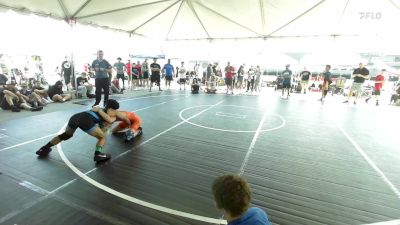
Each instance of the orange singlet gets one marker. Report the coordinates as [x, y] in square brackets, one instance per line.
[136, 122]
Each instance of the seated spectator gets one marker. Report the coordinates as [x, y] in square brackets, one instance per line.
[114, 88]
[11, 98]
[56, 93]
[41, 91]
[195, 86]
[85, 89]
[31, 97]
[232, 195]
[211, 85]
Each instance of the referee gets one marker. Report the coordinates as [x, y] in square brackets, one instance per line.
[101, 68]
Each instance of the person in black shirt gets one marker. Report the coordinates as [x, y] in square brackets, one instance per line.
[155, 74]
[66, 71]
[359, 75]
[305, 78]
[56, 93]
[327, 81]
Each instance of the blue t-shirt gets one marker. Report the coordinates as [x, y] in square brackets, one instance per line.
[253, 216]
[169, 70]
[100, 68]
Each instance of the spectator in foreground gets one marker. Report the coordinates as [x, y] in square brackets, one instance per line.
[232, 195]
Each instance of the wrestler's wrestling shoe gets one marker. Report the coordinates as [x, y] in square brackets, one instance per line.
[128, 135]
[43, 151]
[99, 157]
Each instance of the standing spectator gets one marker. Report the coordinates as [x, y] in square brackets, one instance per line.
[257, 79]
[155, 74]
[168, 70]
[250, 78]
[145, 71]
[182, 76]
[209, 72]
[120, 68]
[66, 71]
[139, 68]
[305, 78]
[128, 70]
[287, 79]
[359, 75]
[229, 77]
[232, 195]
[240, 76]
[379, 80]
[135, 76]
[102, 82]
[327, 81]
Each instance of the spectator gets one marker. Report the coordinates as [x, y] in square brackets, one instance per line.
[229, 77]
[232, 195]
[287, 79]
[84, 87]
[11, 98]
[305, 78]
[327, 81]
[120, 67]
[66, 71]
[56, 93]
[359, 75]
[379, 80]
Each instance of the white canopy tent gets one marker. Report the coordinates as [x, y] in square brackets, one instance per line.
[215, 29]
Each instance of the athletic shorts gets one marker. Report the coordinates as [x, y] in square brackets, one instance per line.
[136, 122]
[228, 81]
[135, 77]
[83, 120]
[169, 78]
[286, 85]
[121, 76]
[155, 78]
[356, 87]
[377, 92]
[145, 75]
[182, 80]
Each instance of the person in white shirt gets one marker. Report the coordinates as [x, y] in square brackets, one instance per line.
[182, 76]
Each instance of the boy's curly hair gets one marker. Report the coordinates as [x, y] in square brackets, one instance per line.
[232, 193]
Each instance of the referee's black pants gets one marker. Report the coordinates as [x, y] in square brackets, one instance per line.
[102, 85]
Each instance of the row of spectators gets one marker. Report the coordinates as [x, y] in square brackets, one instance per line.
[30, 96]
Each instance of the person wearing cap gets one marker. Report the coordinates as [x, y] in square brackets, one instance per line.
[120, 67]
[91, 122]
[359, 75]
[101, 68]
[11, 98]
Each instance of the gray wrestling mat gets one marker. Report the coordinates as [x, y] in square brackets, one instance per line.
[306, 162]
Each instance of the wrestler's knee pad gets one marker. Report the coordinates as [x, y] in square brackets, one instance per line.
[64, 136]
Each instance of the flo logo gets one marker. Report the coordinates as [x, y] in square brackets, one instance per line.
[370, 15]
